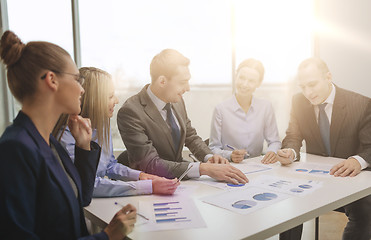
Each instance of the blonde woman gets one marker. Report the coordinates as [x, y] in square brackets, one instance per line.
[242, 123]
[98, 104]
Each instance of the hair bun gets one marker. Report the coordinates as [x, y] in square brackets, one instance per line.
[11, 48]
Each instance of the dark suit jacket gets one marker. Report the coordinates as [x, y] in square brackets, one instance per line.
[148, 140]
[350, 130]
[36, 197]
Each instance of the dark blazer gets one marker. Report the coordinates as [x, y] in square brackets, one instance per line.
[37, 200]
[148, 140]
[350, 130]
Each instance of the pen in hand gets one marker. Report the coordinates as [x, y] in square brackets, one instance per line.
[185, 173]
[119, 204]
[233, 148]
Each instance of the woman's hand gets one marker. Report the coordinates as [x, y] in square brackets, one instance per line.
[122, 223]
[269, 157]
[147, 176]
[81, 130]
[238, 155]
[164, 186]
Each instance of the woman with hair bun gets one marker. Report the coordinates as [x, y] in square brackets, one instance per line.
[42, 191]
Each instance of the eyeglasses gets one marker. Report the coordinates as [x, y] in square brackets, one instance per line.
[80, 79]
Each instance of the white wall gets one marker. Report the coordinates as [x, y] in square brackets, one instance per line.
[347, 47]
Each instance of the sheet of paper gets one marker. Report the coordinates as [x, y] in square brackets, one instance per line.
[169, 214]
[297, 187]
[184, 190]
[246, 168]
[222, 185]
[313, 169]
[246, 200]
[252, 167]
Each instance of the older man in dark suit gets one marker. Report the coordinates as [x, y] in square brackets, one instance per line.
[333, 122]
[154, 126]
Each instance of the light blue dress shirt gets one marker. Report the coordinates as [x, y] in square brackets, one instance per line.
[108, 169]
[231, 125]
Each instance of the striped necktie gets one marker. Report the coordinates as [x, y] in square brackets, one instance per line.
[324, 127]
[175, 133]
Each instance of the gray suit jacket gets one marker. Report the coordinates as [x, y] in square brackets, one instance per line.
[148, 140]
[350, 130]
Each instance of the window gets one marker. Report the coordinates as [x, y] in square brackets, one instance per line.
[128, 34]
[41, 20]
[278, 33]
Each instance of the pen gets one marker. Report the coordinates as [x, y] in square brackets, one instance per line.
[233, 148]
[185, 173]
[119, 204]
[193, 157]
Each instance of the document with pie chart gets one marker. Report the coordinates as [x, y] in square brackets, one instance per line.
[291, 186]
[246, 200]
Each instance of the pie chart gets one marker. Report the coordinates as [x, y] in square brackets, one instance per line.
[296, 190]
[244, 204]
[265, 196]
[235, 185]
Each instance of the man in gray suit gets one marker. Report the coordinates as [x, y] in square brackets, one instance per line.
[154, 126]
[333, 122]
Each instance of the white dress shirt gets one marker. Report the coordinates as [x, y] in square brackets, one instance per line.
[231, 125]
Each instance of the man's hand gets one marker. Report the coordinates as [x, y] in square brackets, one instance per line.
[223, 172]
[285, 156]
[81, 130]
[217, 159]
[238, 155]
[269, 158]
[122, 223]
[349, 167]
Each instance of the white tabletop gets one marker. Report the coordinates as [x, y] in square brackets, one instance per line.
[261, 224]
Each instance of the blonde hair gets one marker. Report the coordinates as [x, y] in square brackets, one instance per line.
[166, 63]
[94, 102]
[94, 105]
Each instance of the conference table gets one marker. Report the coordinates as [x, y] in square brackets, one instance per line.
[260, 224]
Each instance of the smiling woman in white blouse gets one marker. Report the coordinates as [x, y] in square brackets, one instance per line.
[241, 123]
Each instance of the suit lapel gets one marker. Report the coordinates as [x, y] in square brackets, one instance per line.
[151, 110]
[311, 121]
[337, 119]
[55, 168]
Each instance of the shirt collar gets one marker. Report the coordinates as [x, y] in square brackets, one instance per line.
[236, 106]
[330, 99]
[158, 102]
